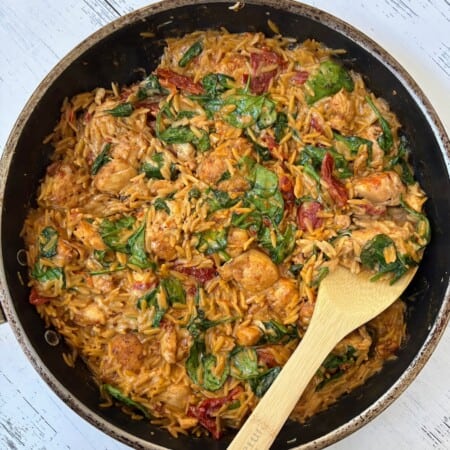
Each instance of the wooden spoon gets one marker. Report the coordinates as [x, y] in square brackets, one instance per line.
[345, 301]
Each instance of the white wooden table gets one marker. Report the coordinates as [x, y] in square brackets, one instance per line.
[35, 34]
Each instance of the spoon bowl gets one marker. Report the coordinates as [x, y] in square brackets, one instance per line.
[344, 302]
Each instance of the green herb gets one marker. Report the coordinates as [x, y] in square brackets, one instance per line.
[102, 158]
[275, 333]
[174, 290]
[151, 299]
[313, 156]
[185, 115]
[280, 127]
[262, 383]
[118, 395]
[48, 242]
[113, 233]
[311, 172]
[330, 79]
[251, 220]
[193, 51]
[353, 143]
[400, 162]
[385, 140]
[107, 271]
[122, 110]
[372, 257]
[150, 87]
[212, 241]
[244, 363]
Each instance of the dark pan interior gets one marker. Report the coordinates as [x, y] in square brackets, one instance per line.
[116, 58]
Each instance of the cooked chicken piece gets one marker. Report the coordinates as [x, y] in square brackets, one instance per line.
[283, 299]
[253, 270]
[248, 335]
[169, 343]
[61, 185]
[160, 239]
[212, 167]
[236, 240]
[92, 315]
[340, 111]
[88, 234]
[114, 176]
[175, 396]
[128, 351]
[383, 188]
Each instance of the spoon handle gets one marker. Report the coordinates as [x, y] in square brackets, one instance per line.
[266, 420]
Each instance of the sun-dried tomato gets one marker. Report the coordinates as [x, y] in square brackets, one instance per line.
[179, 81]
[336, 189]
[37, 299]
[307, 215]
[202, 275]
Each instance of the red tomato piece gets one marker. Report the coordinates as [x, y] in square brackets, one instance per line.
[336, 189]
[179, 81]
[307, 216]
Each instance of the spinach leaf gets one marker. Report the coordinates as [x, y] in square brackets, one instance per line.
[275, 333]
[161, 205]
[225, 176]
[295, 269]
[112, 233]
[353, 143]
[193, 51]
[174, 290]
[281, 124]
[154, 170]
[248, 221]
[220, 200]
[151, 299]
[194, 193]
[136, 247]
[244, 363]
[313, 156]
[212, 241]
[423, 224]
[194, 361]
[261, 150]
[372, 257]
[216, 83]
[43, 273]
[400, 161]
[102, 158]
[323, 272]
[330, 79]
[118, 395]
[385, 140]
[150, 87]
[199, 324]
[262, 383]
[285, 243]
[250, 110]
[122, 110]
[212, 382]
[48, 242]
[335, 366]
[184, 135]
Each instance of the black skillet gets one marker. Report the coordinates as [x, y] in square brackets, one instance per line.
[115, 53]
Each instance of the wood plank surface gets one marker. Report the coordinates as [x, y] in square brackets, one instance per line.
[36, 33]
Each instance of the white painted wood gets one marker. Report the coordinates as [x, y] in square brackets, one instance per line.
[35, 34]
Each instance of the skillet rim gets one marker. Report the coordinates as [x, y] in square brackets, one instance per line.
[338, 25]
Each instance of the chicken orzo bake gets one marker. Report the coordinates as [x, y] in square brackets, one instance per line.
[186, 221]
